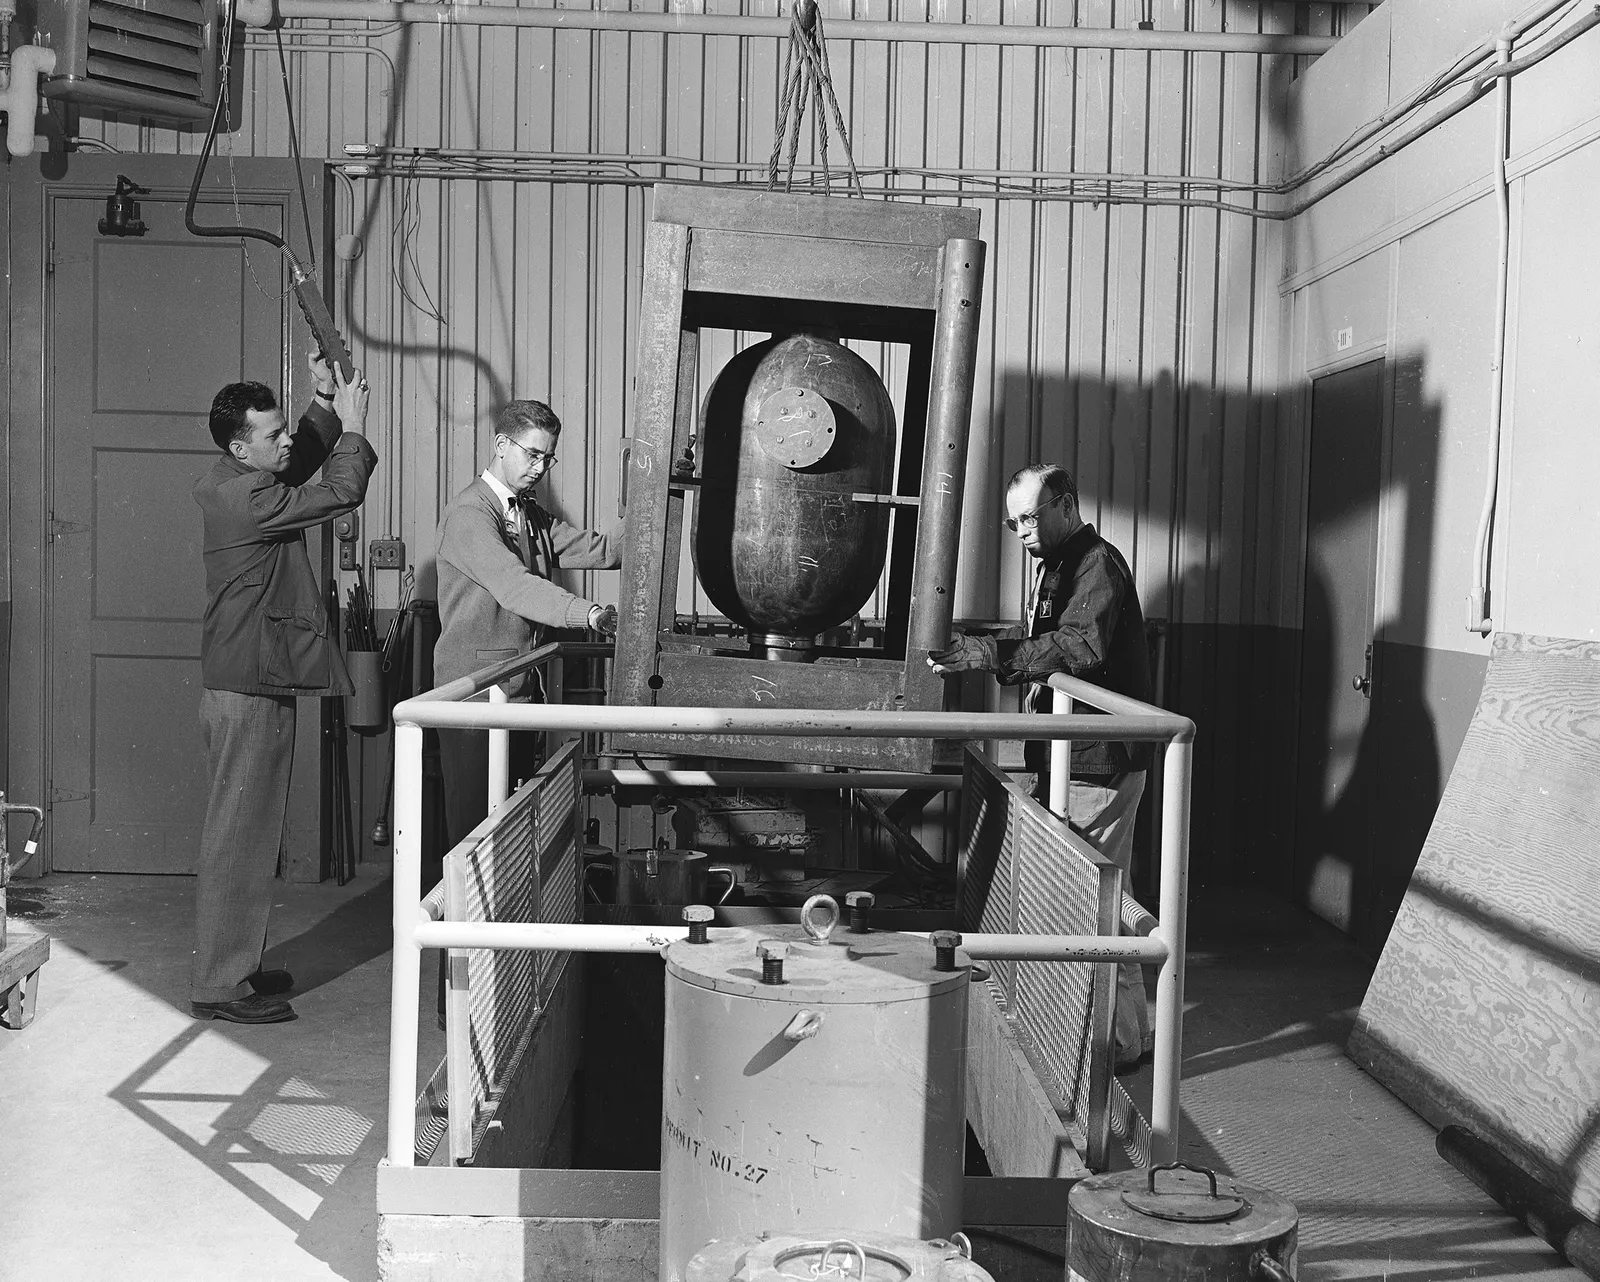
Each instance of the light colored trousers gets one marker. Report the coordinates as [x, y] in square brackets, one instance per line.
[249, 742]
[1104, 817]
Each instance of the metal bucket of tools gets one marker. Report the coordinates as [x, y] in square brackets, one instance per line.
[366, 708]
[1134, 1227]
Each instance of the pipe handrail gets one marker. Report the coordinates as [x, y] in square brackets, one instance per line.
[1161, 727]
[783, 780]
[1122, 719]
[565, 937]
[479, 681]
[1108, 700]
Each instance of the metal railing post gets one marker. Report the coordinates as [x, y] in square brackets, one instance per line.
[1060, 759]
[406, 980]
[555, 691]
[1173, 930]
[499, 756]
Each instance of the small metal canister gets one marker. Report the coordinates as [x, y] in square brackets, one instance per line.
[1132, 1227]
[842, 1254]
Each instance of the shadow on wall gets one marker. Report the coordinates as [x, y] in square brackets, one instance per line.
[1227, 504]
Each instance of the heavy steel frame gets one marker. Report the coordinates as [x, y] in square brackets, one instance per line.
[772, 262]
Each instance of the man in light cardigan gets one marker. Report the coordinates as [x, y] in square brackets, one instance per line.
[497, 553]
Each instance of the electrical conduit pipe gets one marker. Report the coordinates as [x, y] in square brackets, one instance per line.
[20, 96]
[1478, 619]
[260, 13]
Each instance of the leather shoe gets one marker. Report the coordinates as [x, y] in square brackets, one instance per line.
[254, 1009]
[271, 983]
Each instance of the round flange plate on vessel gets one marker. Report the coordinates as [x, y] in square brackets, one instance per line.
[795, 426]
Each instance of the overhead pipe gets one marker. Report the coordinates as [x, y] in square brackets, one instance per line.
[700, 24]
[19, 96]
[328, 47]
[385, 163]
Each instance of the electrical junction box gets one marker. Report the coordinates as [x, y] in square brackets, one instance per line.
[388, 554]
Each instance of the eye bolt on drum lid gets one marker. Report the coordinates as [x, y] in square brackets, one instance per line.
[811, 1077]
[791, 430]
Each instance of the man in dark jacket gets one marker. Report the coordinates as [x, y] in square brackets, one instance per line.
[265, 641]
[498, 552]
[1085, 621]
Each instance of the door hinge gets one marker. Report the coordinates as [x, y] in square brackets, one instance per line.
[50, 258]
[59, 795]
[58, 528]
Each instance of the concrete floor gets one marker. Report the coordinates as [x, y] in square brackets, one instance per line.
[140, 1144]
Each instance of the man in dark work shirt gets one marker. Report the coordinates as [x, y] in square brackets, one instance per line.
[1085, 621]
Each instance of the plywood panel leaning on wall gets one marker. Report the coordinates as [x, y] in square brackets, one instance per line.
[1485, 1006]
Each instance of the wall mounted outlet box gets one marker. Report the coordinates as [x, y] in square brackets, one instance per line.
[388, 554]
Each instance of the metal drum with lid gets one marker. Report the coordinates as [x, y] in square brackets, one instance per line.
[1194, 1227]
[811, 1077]
[844, 1255]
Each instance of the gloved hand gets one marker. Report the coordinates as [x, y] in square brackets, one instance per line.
[603, 619]
[966, 654]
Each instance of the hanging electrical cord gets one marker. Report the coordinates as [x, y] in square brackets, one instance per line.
[808, 78]
[316, 311]
[402, 246]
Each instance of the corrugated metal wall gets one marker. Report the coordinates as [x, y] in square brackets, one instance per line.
[1126, 341]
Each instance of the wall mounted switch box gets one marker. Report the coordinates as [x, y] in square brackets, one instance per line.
[347, 530]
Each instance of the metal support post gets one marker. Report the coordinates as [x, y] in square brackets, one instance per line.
[1060, 758]
[405, 991]
[1172, 931]
[955, 354]
[499, 756]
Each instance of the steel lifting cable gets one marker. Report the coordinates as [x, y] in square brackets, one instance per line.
[807, 77]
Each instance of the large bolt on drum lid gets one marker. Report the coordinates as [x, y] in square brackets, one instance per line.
[1187, 1224]
[838, 1255]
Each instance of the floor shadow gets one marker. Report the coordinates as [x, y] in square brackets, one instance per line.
[1194, 484]
[283, 1141]
[354, 933]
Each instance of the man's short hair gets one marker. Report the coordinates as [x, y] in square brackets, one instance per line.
[230, 411]
[1052, 477]
[522, 416]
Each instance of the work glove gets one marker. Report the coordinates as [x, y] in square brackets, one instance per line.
[966, 654]
[603, 619]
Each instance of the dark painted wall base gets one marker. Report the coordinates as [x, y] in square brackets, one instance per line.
[1242, 686]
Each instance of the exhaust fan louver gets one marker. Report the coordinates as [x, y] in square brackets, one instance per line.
[154, 58]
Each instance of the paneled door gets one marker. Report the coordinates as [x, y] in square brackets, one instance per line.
[1337, 678]
[141, 332]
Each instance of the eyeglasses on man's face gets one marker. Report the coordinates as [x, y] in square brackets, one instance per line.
[1030, 520]
[536, 458]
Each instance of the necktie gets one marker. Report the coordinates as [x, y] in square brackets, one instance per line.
[521, 519]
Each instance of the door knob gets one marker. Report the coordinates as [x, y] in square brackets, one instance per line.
[1363, 684]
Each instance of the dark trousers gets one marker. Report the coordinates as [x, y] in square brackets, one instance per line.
[249, 740]
[464, 761]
